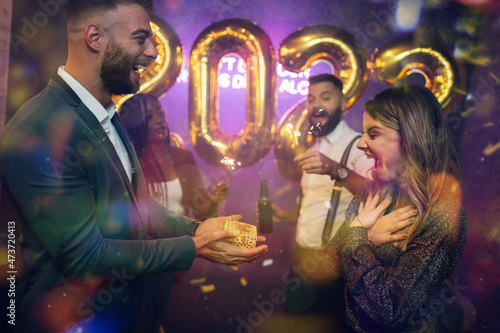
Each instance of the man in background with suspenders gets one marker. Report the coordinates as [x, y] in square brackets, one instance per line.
[333, 162]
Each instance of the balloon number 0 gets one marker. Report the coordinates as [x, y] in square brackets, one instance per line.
[396, 62]
[254, 46]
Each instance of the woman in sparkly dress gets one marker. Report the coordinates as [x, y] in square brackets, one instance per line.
[395, 281]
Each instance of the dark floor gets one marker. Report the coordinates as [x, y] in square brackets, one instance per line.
[226, 301]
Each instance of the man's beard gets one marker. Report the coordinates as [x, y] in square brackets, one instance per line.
[115, 71]
[322, 129]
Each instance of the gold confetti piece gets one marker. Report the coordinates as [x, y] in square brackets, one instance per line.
[494, 77]
[207, 288]
[460, 91]
[243, 281]
[494, 233]
[489, 124]
[248, 236]
[197, 281]
[466, 112]
[491, 148]
[140, 262]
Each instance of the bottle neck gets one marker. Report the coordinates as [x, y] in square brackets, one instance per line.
[263, 189]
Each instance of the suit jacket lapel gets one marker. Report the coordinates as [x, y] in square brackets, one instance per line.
[127, 141]
[97, 129]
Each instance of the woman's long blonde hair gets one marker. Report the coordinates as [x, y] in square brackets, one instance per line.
[430, 157]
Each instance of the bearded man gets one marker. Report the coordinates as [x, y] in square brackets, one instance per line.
[314, 297]
[91, 233]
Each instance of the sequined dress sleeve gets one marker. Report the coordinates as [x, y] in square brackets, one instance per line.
[388, 290]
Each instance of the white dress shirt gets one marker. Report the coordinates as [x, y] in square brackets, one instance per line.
[103, 115]
[317, 189]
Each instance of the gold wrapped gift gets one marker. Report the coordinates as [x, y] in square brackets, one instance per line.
[248, 236]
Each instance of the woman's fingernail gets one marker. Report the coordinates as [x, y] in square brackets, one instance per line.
[412, 219]
[415, 211]
[388, 199]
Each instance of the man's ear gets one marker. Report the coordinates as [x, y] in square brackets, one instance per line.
[94, 37]
[343, 105]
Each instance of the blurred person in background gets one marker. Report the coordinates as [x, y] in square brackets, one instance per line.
[171, 173]
[331, 163]
[172, 178]
[91, 232]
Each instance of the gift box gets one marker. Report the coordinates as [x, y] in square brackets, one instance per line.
[247, 237]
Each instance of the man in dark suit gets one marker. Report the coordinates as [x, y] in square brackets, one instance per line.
[90, 231]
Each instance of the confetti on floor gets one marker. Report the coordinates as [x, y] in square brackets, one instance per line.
[491, 148]
[267, 262]
[197, 281]
[207, 288]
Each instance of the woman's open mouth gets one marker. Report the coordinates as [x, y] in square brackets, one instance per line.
[376, 163]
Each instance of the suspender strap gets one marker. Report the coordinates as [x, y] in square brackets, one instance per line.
[332, 211]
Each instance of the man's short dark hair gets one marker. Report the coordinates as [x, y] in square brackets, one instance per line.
[326, 78]
[76, 8]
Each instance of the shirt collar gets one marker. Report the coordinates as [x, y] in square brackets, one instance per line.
[336, 133]
[103, 114]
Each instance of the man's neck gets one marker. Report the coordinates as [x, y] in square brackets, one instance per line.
[91, 81]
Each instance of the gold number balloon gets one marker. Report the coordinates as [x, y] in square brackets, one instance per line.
[443, 75]
[348, 58]
[252, 44]
[162, 73]
[300, 51]
[293, 138]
